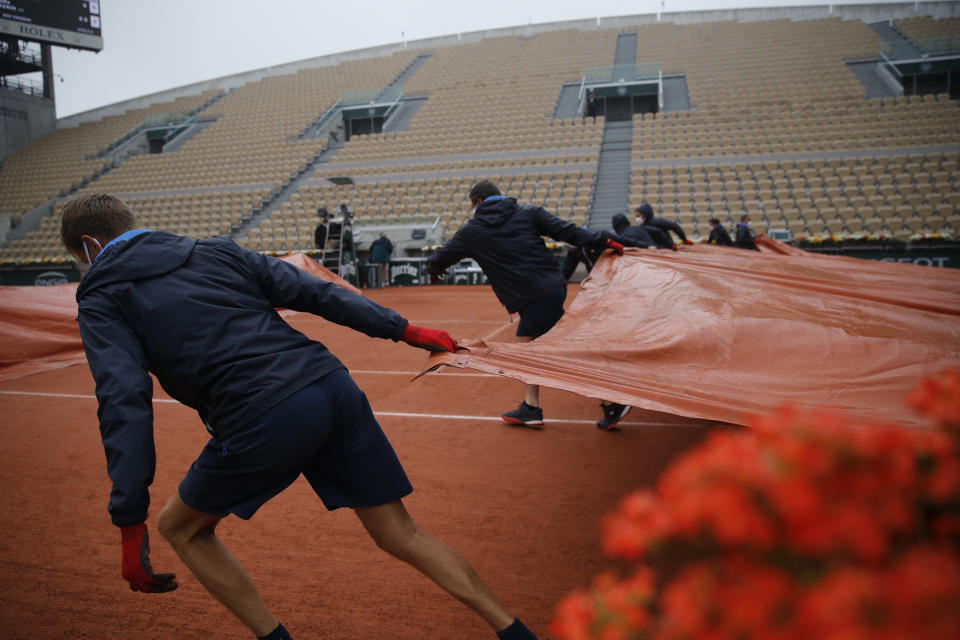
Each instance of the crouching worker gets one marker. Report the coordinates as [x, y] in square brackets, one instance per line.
[505, 238]
[199, 314]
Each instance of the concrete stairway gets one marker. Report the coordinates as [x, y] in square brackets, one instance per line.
[568, 104]
[676, 96]
[626, 51]
[892, 36]
[400, 119]
[611, 190]
[404, 75]
[277, 198]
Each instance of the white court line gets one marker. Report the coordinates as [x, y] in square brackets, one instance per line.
[389, 414]
[429, 322]
[416, 373]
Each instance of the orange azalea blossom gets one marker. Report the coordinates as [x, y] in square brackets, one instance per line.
[936, 397]
[805, 526]
[639, 522]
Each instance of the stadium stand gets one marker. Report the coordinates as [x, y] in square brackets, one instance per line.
[778, 126]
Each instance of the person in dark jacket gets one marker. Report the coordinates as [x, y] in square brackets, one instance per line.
[200, 315]
[505, 238]
[745, 239]
[719, 235]
[646, 219]
[639, 234]
[320, 233]
[589, 255]
[380, 251]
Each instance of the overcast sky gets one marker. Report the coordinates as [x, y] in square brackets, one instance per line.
[151, 46]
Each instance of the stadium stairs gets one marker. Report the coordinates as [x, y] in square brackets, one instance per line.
[290, 187]
[114, 148]
[30, 221]
[892, 35]
[611, 191]
[568, 102]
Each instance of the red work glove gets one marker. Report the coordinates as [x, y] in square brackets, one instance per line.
[674, 247]
[429, 339]
[616, 246]
[136, 562]
[687, 242]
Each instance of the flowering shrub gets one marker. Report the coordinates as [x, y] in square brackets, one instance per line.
[804, 526]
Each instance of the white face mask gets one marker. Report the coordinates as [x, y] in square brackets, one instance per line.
[473, 211]
[86, 251]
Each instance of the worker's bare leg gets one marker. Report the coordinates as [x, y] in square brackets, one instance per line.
[394, 531]
[192, 534]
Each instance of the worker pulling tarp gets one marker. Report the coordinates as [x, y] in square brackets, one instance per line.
[38, 325]
[716, 333]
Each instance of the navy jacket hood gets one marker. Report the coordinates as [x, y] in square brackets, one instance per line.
[493, 213]
[146, 255]
[620, 222]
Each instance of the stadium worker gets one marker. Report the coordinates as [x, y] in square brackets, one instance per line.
[637, 235]
[380, 251]
[200, 315]
[646, 219]
[505, 238]
[589, 255]
[719, 235]
[745, 239]
[320, 233]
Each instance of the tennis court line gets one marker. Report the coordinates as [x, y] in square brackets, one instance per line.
[388, 414]
[416, 373]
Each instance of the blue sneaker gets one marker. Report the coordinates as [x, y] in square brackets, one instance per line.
[612, 414]
[525, 416]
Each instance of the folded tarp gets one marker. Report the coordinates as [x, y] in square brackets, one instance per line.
[720, 333]
[38, 326]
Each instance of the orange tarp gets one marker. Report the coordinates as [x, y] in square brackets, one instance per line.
[720, 333]
[38, 326]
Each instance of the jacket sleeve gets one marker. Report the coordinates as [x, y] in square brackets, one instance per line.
[673, 226]
[453, 251]
[554, 227]
[285, 285]
[125, 397]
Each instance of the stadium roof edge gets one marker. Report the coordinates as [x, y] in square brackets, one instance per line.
[873, 12]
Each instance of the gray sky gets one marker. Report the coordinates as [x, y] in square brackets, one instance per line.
[151, 46]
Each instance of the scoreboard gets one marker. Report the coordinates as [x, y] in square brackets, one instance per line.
[67, 23]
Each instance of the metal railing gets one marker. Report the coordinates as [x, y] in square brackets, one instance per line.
[363, 96]
[623, 73]
[918, 49]
[23, 85]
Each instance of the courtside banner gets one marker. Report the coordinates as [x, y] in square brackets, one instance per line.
[720, 333]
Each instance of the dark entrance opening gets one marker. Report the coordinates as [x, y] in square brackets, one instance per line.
[364, 126]
[620, 108]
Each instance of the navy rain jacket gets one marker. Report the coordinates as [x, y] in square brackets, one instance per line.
[200, 315]
[505, 240]
[632, 236]
[745, 237]
[666, 226]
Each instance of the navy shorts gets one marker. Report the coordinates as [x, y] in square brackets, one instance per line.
[326, 431]
[539, 316]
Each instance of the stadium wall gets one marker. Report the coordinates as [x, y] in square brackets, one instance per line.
[864, 12]
[23, 119]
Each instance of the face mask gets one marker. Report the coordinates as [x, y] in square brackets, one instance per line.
[87, 251]
[473, 211]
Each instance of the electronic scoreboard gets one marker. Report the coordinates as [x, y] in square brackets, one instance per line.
[67, 23]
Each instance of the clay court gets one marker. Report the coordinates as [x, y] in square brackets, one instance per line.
[524, 506]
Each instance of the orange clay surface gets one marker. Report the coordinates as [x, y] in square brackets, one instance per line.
[523, 506]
